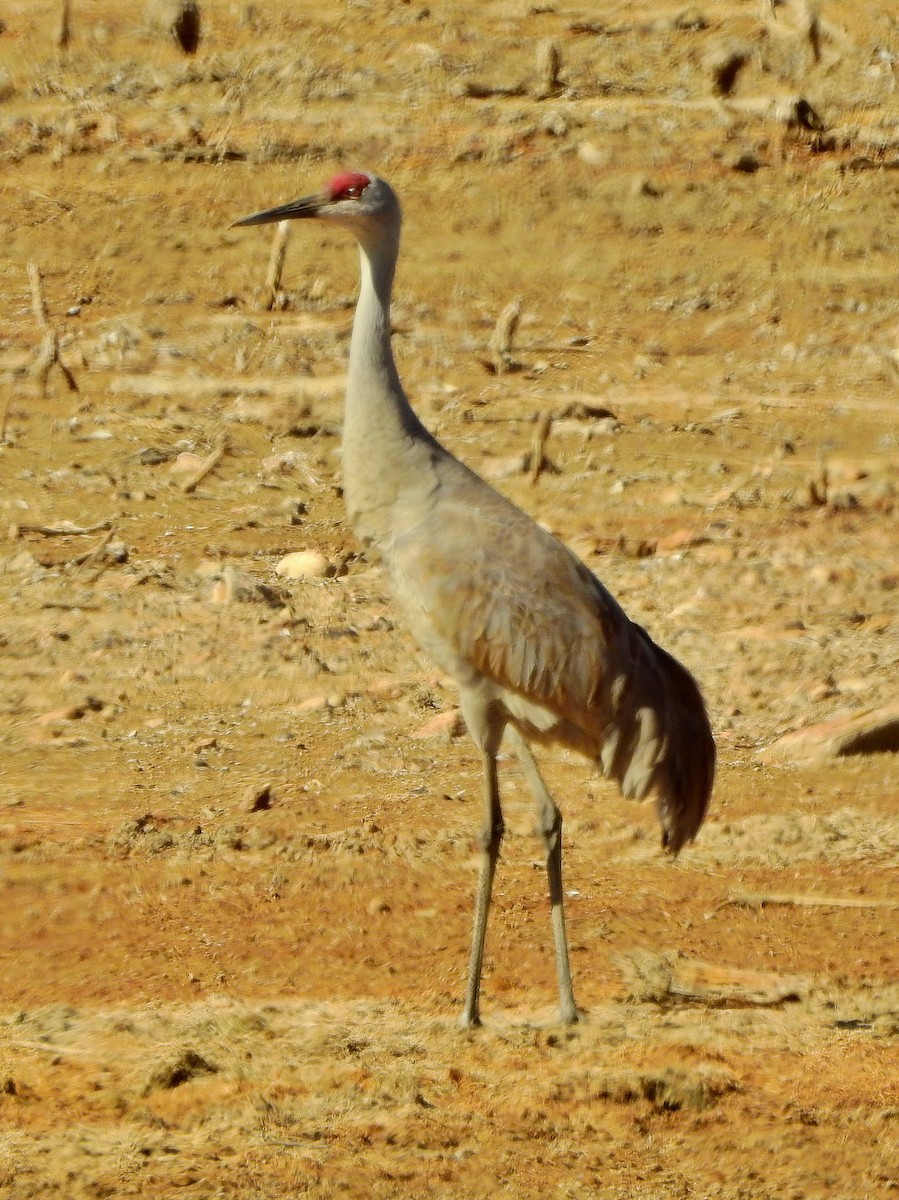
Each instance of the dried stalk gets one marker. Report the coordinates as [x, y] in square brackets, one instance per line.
[47, 1047]
[38, 307]
[275, 265]
[63, 529]
[48, 354]
[539, 461]
[669, 978]
[84, 562]
[207, 466]
[799, 900]
[503, 335]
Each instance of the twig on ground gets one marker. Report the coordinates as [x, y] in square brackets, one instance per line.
[48, 354]
[83, 562]
[206, 467]
[672, 978]
[800, 900]
[63, 529]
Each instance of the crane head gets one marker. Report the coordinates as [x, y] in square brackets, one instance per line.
[354, 198]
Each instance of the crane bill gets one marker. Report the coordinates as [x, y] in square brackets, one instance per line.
[308, 206]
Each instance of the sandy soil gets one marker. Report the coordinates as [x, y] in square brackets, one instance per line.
[236, 858]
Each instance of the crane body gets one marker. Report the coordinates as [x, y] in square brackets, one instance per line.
[538, 648]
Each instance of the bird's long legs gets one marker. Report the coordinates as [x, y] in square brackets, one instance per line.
[491, 837]
[549, 826]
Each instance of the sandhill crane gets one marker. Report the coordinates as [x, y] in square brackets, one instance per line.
[536, 645]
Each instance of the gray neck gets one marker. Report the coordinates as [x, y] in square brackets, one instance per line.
[371, 357]
[382, 436]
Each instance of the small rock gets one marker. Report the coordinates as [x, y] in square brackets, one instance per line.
[821, 691]
[176, 1069]
[385, 689]
[222, 593]
[72, 712]
[593, 155]
[186, 463]
[377, 905]
[257, 799]
[642, 185]
[505, 466]
[290, 460]
[555, 124]
[19, 564]
[844, 470]
[715, 553]
[747, 163]
[824, 574]
[724, 64]
[311, 704]
[304, 564]
[680, 539]
[180, 19]
[875, 731]
[447, 724]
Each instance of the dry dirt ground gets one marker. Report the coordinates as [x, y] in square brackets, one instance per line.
[237, 852]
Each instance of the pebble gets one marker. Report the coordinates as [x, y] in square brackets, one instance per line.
[19, 564]
[672, 496]
[715, 553]
[257, 799]
[186, 463]
[447, 724]
[680, 539]
[874, 731]
[222, 593]
[179, 18]
[304, 564]
[385, 689]
[290, 460]
[316, 704]
[505, 466]
[208, 568]
[593, 155]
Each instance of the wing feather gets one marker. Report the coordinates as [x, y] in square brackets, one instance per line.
[502, 594]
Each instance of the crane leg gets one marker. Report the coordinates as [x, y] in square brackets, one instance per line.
[490, 838]
[549, 826]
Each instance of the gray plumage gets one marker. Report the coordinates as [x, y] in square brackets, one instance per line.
[538, 648]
